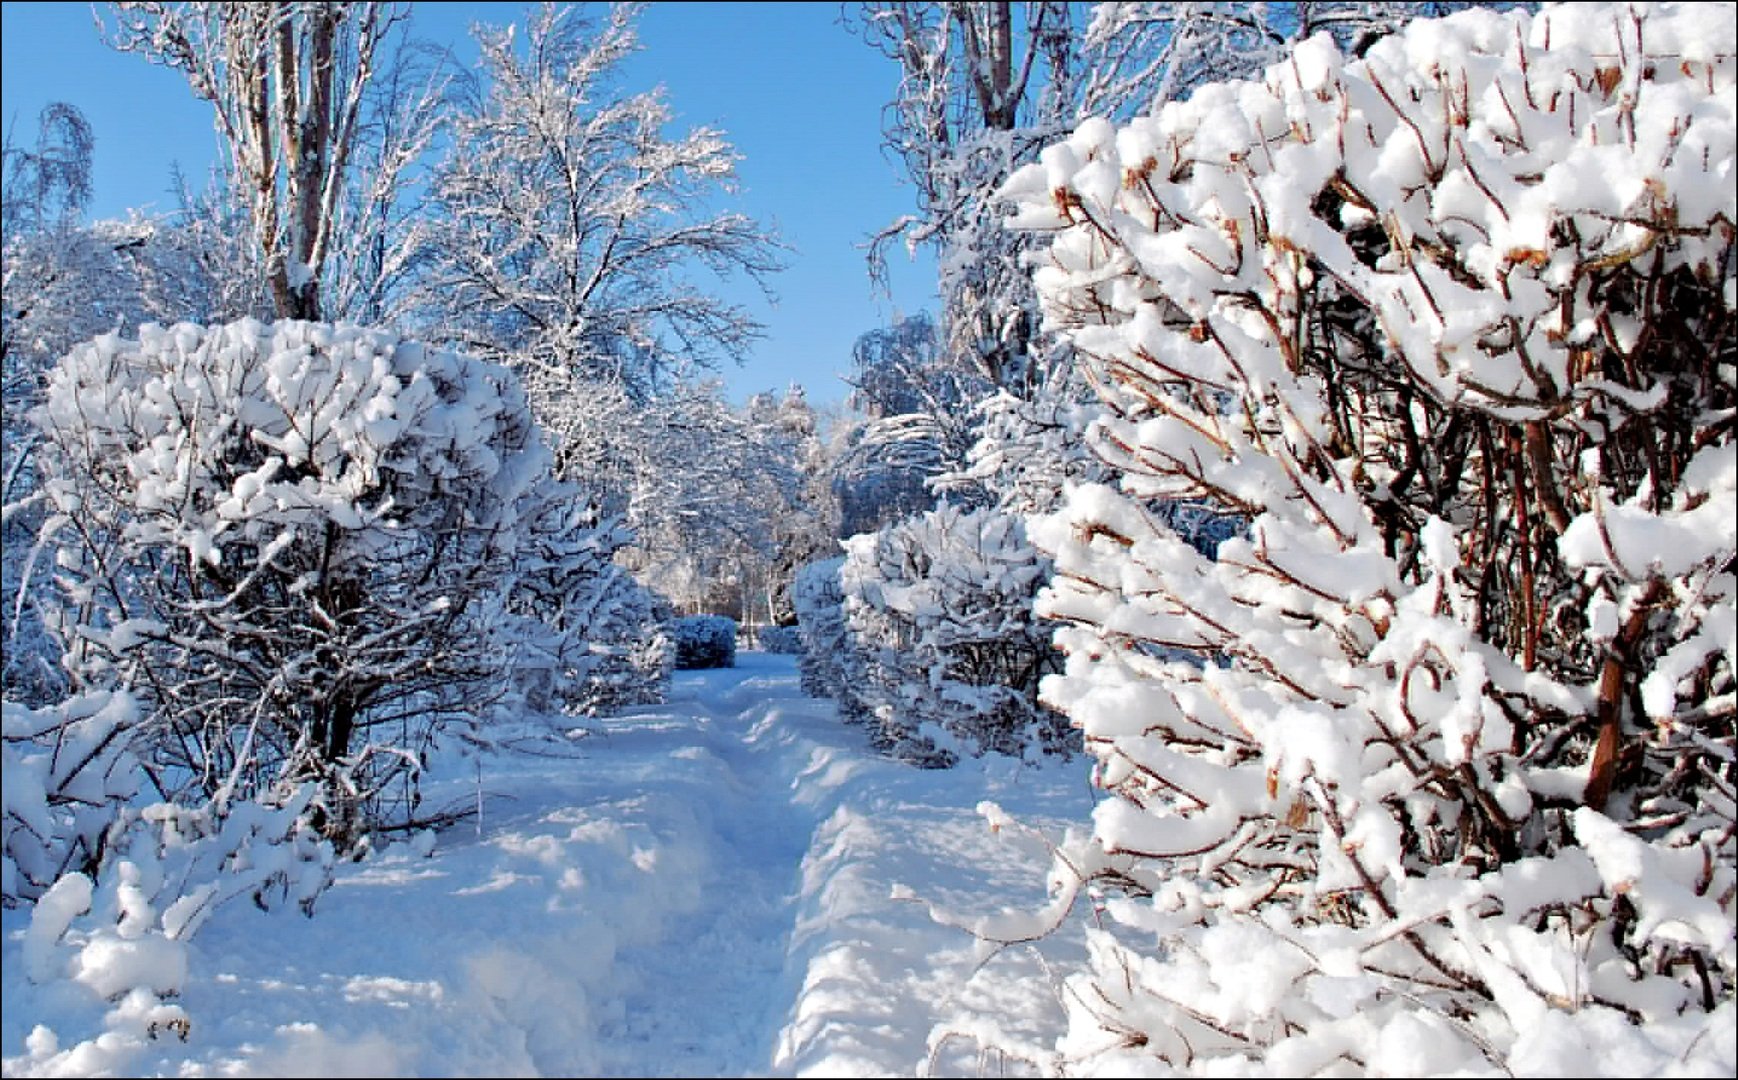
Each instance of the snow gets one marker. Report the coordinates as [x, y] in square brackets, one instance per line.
[1335, 653]
[727, 884]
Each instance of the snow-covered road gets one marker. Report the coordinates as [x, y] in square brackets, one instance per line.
[703, 888]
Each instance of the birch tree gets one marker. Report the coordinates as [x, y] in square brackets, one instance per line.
[287, 82]
[982, 86]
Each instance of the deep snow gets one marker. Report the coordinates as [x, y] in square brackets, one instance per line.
[718, 886]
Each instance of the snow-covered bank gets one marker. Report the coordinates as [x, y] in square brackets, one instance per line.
[878, 976]
[703, 888]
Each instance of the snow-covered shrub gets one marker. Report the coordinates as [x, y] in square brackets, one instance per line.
[825, 663]
[704, 641]
[120, 932]
[185, 861]
[589, 639]
[626, 625]
[64, 771]
[783, 640]
[1452, 329]
[1029, 448]
[938, 610]
[116, 890]
[299, 546]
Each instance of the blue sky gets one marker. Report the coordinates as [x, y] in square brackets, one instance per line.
[799, 96]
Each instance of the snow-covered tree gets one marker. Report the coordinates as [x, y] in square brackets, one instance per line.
[570, 235]
[373, 263]
[49, 182]
[57, 287]
[287, 83]
[795, 499]
[306, 549]
[918, 422]
[982, 88]
[572, 238]
[205, 252]
[723, 502]
[1434, 762]
[44, 192]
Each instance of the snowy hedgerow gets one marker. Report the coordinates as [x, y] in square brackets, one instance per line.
[299, 546]
[704, 641]
[826, 659]
[1447, 784]
[938, 610]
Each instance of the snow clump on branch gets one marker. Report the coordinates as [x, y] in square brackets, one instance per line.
[307, 549]
[1431, 769]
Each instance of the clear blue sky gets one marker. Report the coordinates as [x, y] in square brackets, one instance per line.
[798, 96]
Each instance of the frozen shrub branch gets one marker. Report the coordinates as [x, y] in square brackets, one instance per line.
[1451, 326]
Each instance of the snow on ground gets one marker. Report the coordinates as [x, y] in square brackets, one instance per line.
[705, 888]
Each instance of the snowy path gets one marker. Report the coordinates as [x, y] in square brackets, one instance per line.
[696, 1000]
[704, 890]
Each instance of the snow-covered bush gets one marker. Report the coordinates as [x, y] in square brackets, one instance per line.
[588, 638]
[182, 862]
[116, 890]
[1452, 329]
[704, 641]
[299, 546]
[825, 662]
[64, 771]
[783, 640]
[119, 931]
[938, 612]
